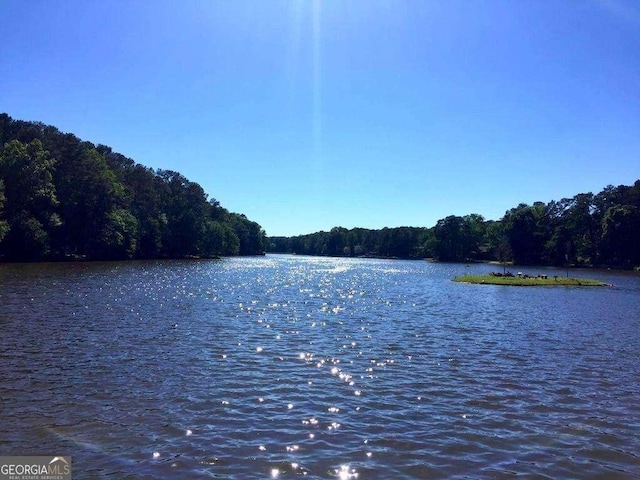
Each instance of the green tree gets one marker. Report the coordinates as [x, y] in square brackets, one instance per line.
[186, 208]
[475, 232]
[119, 234]
[213, 242]
[231, 241]
[457, 239]
[89, 192]
[101, 204]
[620, 234]
[527, 228]
[582, 228]
[448, 239]
[337, 241]
[498, 243]
[4, 225]
[250, 235]
[30, 199]
[145, 205]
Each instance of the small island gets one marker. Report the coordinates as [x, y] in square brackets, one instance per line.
[521, 280]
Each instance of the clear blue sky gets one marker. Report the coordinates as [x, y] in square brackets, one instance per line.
[305, 115]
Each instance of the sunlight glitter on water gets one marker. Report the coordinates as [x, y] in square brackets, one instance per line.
[346, 473]
[380, 363]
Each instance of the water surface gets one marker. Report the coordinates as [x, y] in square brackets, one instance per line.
[286, 367]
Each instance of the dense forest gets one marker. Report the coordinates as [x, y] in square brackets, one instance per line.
[585, 230]
[64, 198]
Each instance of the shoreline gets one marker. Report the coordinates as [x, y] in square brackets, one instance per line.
[539, 281]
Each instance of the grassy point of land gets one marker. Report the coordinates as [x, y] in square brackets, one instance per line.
[530, 281]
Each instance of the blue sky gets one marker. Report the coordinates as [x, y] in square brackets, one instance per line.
[305, 115]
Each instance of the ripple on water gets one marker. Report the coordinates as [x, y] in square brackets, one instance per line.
[318, 367]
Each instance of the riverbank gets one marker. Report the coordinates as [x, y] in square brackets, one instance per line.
[530, 281]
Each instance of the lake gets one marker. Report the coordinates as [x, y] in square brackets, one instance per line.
[289, 366]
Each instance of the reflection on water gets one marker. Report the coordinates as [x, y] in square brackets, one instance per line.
[286, 366]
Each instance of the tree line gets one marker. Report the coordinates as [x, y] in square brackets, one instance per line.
[64, 198]
[586, 230]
